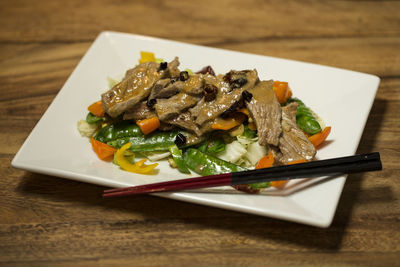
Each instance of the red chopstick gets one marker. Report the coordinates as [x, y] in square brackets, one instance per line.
[336, 166]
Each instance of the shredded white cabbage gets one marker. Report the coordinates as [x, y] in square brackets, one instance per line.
[86, 129]
[154, 156]
[233, 152]
[113, 81]
[255, 152]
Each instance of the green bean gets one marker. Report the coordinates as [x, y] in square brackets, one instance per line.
[91, 118]
[206, 164]
[118, 130]
[178, 158]
[308, 124]
[212, 146]
[260, 185]
[305, 120]
[157, 141]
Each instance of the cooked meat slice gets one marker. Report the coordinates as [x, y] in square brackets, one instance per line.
[139, 112]
[167, 108]
[135, 87]
[194, 85]
[184, 120]
[132, 89]
[293, 144]
[172, 68]
[163, 89]
[229, 92]
[166, 127]
[197, 108]
[266, 112]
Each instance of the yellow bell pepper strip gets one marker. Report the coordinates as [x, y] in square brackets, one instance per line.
[97, 109]
[228, 123]
[320, 137]
[148, 125]
[146, 57]
[138, 167]
[103, 151]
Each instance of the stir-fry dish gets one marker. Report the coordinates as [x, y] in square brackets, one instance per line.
[201, 122]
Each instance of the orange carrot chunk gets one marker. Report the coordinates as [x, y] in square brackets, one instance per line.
[266, 161]
[320, 137]
[97, 109]
[148, 125]
[103, 151]
[282, 91]
[228, 123]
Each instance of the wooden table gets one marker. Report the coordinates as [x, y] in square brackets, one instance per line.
[48, 221]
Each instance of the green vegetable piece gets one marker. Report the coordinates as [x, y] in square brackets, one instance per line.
[157, 141]
[303, 111]
[203, 146]
[260, 185]
[305, 119]
[308, 124]
[212, 146]
[216, 146]
[91, 118]
[247, 132]
[178, 158]
[206, 164]
[118, 130]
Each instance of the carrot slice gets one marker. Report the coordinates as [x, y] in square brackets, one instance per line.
[282, 91]
[103, 151]
[228, 123]
[266, 161]
[148, 125]
[97, 109]
[320, 137]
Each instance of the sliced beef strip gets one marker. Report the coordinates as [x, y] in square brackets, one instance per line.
[165, 88]
[162, 90]
[135, 87]
[293, 144]
[226, 96]
[167, 108]
[266, 112]
[184, 120]
[139, 112]
[194, 85]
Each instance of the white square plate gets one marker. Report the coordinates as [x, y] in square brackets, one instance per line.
[342, 98]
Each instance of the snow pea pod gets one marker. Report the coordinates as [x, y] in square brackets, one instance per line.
[205, 164]
[212, 146]
[157, 141]
[118, 130]
[305, 119]
[178, 158]
[91, 118]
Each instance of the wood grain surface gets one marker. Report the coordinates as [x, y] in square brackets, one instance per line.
[48, 221]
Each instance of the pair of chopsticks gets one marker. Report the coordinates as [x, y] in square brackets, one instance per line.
[328, 167]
